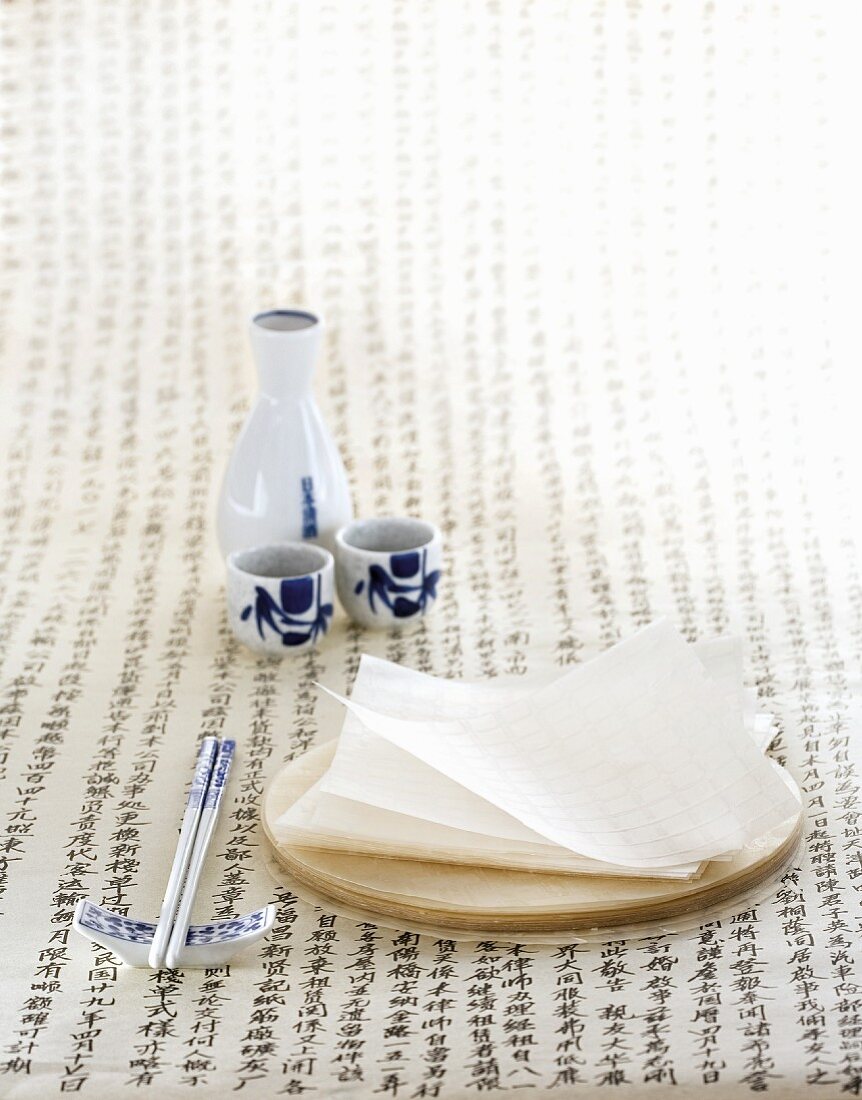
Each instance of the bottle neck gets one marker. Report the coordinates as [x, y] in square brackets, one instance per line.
[285, 356]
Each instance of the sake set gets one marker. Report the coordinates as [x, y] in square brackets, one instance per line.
[628, 793]
[285, 519]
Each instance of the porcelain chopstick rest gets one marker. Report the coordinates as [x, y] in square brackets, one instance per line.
[202, 945]
[206, 945]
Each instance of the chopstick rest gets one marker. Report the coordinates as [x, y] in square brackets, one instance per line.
[199, 945]
[206, 944]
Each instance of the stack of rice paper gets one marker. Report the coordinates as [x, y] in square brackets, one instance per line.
[634, 783]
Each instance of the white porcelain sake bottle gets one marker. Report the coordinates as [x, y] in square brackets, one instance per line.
[285, 480]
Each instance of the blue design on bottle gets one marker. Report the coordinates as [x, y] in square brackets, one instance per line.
[403, 600]
[309, 509]
[297, 595]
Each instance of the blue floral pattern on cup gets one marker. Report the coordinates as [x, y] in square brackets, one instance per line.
[392, 588]
[289, 617]
[388, 571]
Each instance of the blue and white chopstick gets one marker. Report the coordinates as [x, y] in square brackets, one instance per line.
[183, 854]
[205, 831]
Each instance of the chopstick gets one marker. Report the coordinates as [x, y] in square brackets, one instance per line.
[204, 835]
[185, 845]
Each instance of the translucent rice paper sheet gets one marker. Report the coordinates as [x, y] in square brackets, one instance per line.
[328, 820]
[638, 758]
[393, 779]
[492, 903]
[356, 827]
[459, 826]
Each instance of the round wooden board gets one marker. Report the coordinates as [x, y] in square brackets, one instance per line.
[489, 899]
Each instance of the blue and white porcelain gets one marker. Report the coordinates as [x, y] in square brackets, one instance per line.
[280, 597]
[206, 944]
[285, 480]
[388, 570]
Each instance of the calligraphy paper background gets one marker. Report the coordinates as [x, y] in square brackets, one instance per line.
[591, 273]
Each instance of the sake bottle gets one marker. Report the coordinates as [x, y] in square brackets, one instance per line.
[285, 480]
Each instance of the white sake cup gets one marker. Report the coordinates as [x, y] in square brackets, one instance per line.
[279, 597]
[387, 570]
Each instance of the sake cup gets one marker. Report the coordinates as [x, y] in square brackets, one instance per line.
[279, 597]
[387, 570]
